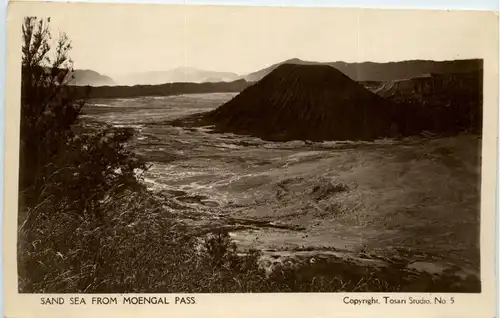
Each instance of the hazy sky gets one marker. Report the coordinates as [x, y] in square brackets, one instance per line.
[115, 39]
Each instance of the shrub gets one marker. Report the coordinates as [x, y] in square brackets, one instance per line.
[74, 181]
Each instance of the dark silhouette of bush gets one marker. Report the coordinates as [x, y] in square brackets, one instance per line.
[57, 158]
[66, 173]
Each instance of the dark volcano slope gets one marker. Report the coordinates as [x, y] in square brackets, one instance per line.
[305, 102]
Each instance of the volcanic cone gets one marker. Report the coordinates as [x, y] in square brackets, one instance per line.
[305, 102]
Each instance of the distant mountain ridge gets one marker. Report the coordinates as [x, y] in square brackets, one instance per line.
[361, 72]
[372, 71]
[89, 77]
[167, 89]
[367, 73]
[176, 75]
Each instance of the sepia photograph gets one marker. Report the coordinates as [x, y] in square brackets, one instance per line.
[314, 153]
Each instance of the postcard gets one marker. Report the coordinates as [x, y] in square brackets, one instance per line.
[249, 161]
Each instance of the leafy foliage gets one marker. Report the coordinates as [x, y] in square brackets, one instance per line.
[58, 158]
[69, 173]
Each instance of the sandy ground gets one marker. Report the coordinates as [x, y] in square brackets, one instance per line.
[415, 200]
